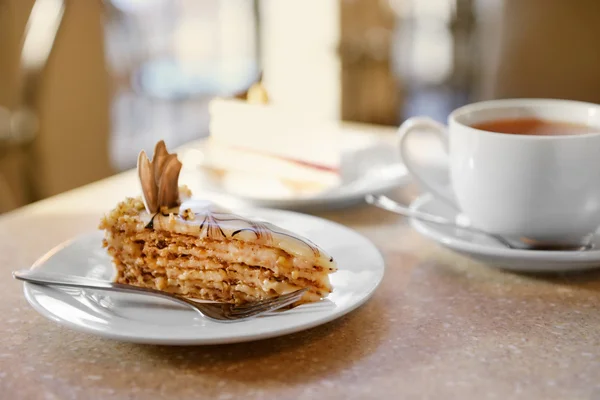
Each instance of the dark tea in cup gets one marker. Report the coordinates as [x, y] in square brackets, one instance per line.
[534, 126]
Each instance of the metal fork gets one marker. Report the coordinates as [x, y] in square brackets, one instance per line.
[219, 312]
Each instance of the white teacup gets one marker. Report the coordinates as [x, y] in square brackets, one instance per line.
[543, 189]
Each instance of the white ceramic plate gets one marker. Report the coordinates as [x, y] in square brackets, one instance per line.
[494, 254]
[375, 170]
[133, 318]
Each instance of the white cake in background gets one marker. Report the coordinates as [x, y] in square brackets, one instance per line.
[249, 165]
[255, 138]
[275, 131]
[259, 143]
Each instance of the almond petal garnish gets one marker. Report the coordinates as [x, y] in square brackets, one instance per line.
[148, 182]
[160, 156]
[159, 179]
[168, 189]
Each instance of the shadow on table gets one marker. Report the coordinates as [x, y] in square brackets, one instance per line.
[464, 271]
[588, 280]
[307, 355]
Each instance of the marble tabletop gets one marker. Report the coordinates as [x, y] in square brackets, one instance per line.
[439, 326]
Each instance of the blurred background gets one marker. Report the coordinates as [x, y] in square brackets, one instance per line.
[85, 84]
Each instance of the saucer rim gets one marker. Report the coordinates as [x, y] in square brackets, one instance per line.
[462, 245]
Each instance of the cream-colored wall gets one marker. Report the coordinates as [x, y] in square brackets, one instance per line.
[72, 146]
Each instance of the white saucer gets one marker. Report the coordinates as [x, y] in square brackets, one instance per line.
[133, 318]
[377, 170]
[494, 254]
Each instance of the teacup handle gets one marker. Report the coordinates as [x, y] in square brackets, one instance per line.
[424, 123]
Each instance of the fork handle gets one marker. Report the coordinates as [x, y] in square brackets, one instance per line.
[57, 279]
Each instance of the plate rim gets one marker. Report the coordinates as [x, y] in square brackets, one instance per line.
[28, 290]
[307, 203]
[325, 199]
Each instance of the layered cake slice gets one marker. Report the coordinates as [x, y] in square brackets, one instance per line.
[168, 241]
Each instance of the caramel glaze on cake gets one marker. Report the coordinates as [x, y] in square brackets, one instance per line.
[196, 249]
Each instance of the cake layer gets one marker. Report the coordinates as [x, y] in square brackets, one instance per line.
[221, 234]
[229, 251]
[170, 262]
[298, 176]
[185, 266]
[204, 291]
[235, 287]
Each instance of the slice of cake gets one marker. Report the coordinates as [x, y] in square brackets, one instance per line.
[255, 137]
[272, 130]
[301, 155]
[168, 241]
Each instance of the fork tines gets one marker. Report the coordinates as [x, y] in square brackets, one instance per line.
[269, 304]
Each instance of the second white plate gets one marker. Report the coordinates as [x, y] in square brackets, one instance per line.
[378, 170]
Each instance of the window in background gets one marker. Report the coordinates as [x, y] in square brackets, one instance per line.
[167, 60]
[434, 55]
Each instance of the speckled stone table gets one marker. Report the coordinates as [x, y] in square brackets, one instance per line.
[439, 327]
